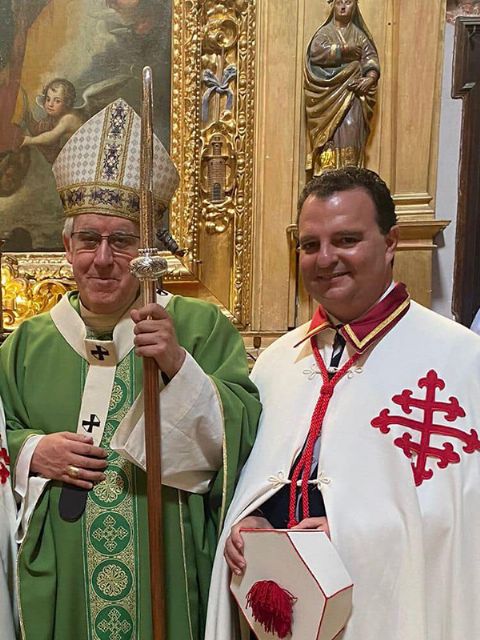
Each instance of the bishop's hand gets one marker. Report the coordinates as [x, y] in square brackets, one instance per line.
[155, 338]
[71, 458]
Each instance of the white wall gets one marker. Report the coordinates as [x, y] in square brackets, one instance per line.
[447, 184]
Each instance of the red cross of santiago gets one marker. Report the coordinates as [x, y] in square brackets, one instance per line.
[4, 461]
[433, 409]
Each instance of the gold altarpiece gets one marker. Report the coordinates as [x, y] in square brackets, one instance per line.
[238, 139]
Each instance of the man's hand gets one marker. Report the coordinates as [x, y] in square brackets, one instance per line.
[319, 524]
[56, 452]
[234, 545]
[155, 338]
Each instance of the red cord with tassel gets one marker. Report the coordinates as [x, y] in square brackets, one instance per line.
[272, 607]
[304, 465]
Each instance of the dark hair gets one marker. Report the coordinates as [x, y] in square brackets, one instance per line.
[353, 178]
[69, 92]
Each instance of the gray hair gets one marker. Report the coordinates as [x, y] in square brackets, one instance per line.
[68, 227]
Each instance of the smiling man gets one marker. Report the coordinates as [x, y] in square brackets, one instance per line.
[345, 256]
[71, 380]
[369, 431]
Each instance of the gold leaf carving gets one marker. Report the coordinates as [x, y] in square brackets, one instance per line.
[26, 294]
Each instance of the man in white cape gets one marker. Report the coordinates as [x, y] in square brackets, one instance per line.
[382, 436]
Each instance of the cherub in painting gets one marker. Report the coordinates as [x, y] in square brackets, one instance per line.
[61, 121]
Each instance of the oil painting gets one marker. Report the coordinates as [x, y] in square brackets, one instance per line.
[457, 8]
[62, 61]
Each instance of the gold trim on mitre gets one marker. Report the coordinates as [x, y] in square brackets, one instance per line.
[98, 169]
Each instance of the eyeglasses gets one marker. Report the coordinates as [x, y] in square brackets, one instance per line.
[118, 242]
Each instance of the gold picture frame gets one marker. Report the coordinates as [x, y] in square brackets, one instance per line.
[212, 145]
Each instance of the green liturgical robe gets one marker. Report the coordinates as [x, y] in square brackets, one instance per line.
[89, 579]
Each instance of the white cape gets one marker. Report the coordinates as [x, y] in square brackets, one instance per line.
[413, 551]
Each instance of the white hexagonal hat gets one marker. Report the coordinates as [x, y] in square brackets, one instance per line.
[295, 585]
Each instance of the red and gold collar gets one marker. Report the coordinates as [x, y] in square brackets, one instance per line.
[370, 327]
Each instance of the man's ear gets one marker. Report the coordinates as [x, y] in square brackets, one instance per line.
[391, 242]
[67, 243]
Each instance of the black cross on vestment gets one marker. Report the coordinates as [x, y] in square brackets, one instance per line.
[99, 353]
[88, 425]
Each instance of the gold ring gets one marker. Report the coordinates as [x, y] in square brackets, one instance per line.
[73, 471]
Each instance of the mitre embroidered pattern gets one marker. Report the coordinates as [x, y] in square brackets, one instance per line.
[108, 197]
[430, 428]
[116, 141]
[98, 169]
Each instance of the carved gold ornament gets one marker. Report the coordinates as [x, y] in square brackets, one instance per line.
[32, 284]
[214, 68]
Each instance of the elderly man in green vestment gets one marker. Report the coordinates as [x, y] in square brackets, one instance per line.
[71, 382]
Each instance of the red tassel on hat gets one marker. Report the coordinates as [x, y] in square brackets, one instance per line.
[272, 607]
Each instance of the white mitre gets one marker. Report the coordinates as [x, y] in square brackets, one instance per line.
[98, 169]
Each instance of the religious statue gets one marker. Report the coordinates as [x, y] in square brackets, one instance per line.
[341, 75]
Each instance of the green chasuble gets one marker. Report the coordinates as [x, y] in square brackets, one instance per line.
[90, 579]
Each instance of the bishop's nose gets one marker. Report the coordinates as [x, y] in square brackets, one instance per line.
[104, 253]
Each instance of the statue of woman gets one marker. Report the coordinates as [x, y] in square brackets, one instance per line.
[341, 75]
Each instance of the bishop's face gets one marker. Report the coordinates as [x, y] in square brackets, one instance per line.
[102, 274]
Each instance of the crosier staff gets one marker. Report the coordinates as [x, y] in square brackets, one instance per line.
[149, 267]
